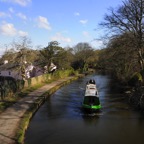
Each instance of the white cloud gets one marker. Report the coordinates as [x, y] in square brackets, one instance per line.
[85, 33]
[59, 37]
[8, 29]
[83, 21]
[22, 33]
[22, 16]
[11, 10]
[43, 23]
[3, 14]
[97, 43]
[77, 14]
[19, 2]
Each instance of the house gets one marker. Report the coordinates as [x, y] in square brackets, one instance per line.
[9, 70]
[14, 70]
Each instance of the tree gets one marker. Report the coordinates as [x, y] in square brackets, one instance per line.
[82, 53]
[65, 58]
[20, 54]
[19, 51]
[50, 53]
[119, 58]
[128, 18]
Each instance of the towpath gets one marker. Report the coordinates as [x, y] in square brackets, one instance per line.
[11, 117]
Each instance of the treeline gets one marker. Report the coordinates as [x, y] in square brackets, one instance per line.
[120, 59]
[124, 55]
[80, 57]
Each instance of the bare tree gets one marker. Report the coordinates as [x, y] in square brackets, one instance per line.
[129, 18]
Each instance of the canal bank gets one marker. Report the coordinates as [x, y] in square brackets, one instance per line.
[15, 119]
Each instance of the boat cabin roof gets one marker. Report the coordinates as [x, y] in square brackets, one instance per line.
[91, 90]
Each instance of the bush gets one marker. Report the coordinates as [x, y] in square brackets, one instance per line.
[63, 73]
[135, 79]
[8, 86]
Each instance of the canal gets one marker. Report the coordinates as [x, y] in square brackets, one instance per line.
[60, 120]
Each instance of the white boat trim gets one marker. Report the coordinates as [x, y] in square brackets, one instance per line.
[91, 90]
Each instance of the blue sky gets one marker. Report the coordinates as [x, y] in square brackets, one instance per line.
[66, 21]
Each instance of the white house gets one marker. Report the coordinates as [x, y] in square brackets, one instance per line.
[12, 70]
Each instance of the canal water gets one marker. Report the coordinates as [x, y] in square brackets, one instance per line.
[60, 120]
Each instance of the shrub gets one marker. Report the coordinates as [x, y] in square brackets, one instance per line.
[135, 79]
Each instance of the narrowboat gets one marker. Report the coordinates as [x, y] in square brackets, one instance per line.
[91, 100]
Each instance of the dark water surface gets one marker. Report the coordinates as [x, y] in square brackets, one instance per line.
[60, 119]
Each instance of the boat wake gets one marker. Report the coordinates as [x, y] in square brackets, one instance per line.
[92, 114]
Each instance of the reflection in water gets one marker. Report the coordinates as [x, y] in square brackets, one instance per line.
[90, 119]
[60, 120]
